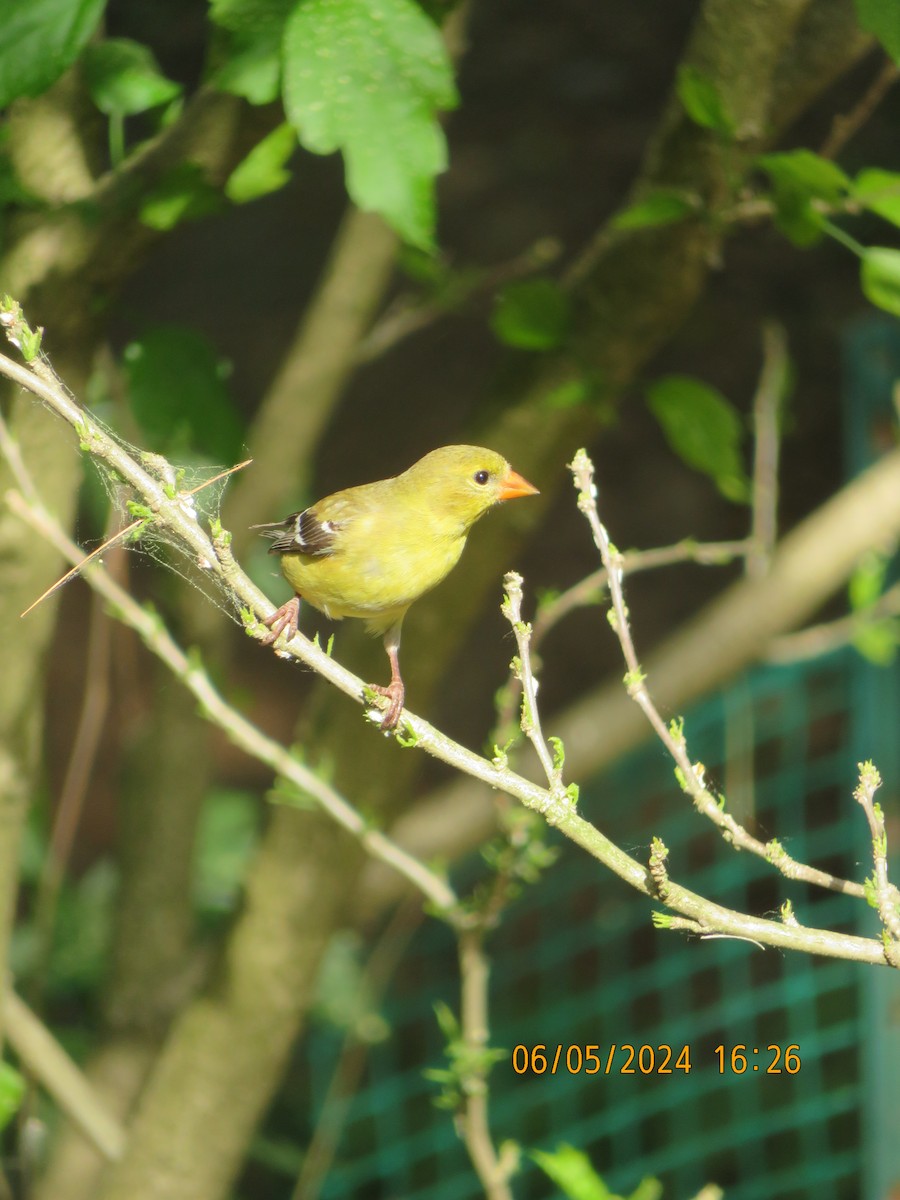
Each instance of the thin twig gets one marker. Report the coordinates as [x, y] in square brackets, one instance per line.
[91, 723]
[691, 775]
[180, 521]
[831, 635]
[46, 1060]
[589, 591]
[771, 389]
[316, 365]
[766, 407]
[240, 731]
[380, 968]
[493, 1168]
[887, 898]
[407, 316]
[114, 540]
[845, 126]
[92, 713]
[119, 536]
[531, 721]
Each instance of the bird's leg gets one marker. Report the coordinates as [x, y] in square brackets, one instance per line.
[395, 690]
[283, 620]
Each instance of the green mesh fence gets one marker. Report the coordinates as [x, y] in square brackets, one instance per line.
[578, 964]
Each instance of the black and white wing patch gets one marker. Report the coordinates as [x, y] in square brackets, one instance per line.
[300, 533]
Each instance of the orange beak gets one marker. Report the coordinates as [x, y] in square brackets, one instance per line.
[514, 485]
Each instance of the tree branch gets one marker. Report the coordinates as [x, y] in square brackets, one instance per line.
[240, 731]
[233, 1040]
[767, 440]
[690, 774]
[322, 356]
[733, 631]
[887, 898]
[558, 809]
[493, 1168]
[46, 1060]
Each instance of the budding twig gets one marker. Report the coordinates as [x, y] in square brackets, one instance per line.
[690, 775]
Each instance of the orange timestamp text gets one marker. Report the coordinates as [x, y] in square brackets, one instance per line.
[771, 1060]
[615, 1059]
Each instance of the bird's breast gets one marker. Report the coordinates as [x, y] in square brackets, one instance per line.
[367, 577]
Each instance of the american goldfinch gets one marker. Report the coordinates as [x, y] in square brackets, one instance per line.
[371, 551]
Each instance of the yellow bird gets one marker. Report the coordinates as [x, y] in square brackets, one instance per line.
[371, 551]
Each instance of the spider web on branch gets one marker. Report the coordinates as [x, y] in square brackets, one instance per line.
[197, 487]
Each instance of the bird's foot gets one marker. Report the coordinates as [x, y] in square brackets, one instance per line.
[396, 693]
[283, 620]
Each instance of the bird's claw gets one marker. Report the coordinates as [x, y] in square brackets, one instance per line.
[396, 693]
[283, 620]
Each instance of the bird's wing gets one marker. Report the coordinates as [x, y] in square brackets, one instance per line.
[301, 533]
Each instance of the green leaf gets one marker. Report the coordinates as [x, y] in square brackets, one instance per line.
[368, 80]
[867, 581]
[880, 277]
[12, 1093]
[882, 18]
[252, 66]
[647, 1189]
[425, 267]
[228, 833]
[183, 194]
[447, 1021]
[879, 192]
[807, 172]
[571, 393]
[797, 220]
[532, 315]
[703, 429]
[263, 170]
[877, 640]
[702, 101]
[571, 1170]
[245, 15]
[798, 178]
[176, 386]
[124, 78]
[662, 207]
[252, 69]
[40, 39]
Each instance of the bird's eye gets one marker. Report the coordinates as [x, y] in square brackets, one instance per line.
[482, 477]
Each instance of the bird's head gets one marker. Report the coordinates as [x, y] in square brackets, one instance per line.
[467, 480]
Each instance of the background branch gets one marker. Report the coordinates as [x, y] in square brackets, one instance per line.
[493, 1168]
[44, 1058]
[320, 359]
[767, 402]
